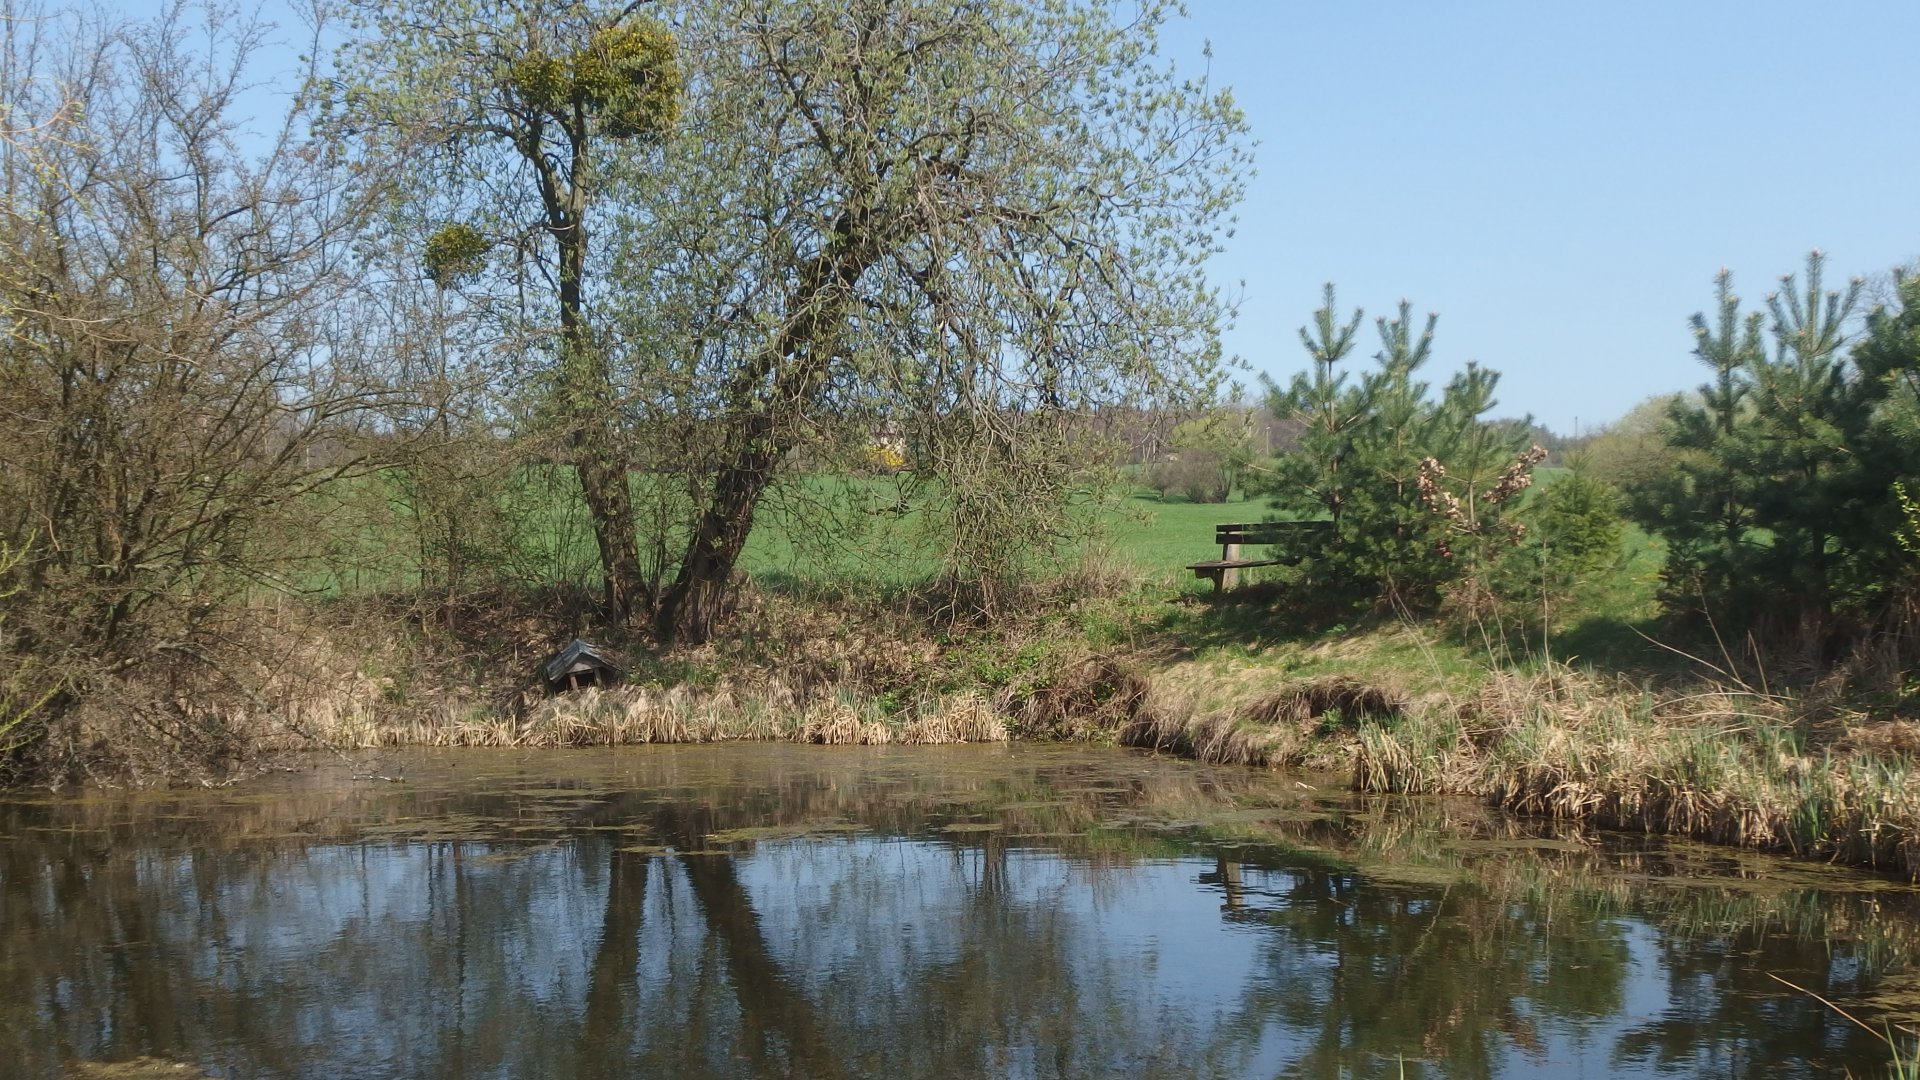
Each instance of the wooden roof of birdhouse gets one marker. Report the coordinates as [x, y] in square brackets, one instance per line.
[579, 657]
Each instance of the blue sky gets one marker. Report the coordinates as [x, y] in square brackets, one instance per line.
[1560, 181]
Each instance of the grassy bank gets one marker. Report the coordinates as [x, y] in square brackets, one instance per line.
[1685, 758]
[634, 716]
[1122, 646]
[1393, 707]
[1723, 767]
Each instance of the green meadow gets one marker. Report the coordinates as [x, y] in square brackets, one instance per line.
[847, 534]
[872, 536]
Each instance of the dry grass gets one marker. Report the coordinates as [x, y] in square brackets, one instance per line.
[378, 673]
[1090, 697]
[1309, 723]
[1338, 698]
[633, 716]
[1215, 738]
[1724, 766]
[1883, 737]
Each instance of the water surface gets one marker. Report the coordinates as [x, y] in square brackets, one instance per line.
[1025, 911]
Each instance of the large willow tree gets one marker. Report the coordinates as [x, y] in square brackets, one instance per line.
[983, 220]
[976, 221]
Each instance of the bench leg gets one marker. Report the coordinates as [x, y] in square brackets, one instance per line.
[1229, 576]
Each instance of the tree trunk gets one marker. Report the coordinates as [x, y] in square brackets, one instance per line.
[761, 433]
[756, 444]
[603, 486]
[599, 455]
[699, 593]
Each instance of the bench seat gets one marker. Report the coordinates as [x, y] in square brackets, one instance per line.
[1225, 570]
[1218, 569]
[1201, 569]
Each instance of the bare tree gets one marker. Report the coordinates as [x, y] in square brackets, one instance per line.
[184, 362]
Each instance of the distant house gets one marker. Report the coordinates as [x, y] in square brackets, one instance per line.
[579, 664]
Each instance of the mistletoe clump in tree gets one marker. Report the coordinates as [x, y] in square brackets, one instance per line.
[509, 112]
[454, 253]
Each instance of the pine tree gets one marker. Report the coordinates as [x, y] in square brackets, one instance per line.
[1412, 486]
[1779, 490]
[1312, 481]
[1884, 568]
[1809, 416]
[1702, 510]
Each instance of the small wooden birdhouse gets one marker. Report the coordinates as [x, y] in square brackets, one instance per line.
[579, 664]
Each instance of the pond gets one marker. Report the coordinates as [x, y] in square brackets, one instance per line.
[1022, 911]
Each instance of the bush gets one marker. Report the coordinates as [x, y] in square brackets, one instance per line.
[1572, 543]
[1192, 474]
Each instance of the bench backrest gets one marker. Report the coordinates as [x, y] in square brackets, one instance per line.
[1268, 532]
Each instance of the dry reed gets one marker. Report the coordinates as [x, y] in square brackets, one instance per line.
[632, 716]
[1724, 767]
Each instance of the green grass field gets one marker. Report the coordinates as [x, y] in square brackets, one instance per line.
[833, 540]
[863, 534]
[835, 532]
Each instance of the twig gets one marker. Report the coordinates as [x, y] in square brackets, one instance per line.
[1737, 680]
[1856, 1021]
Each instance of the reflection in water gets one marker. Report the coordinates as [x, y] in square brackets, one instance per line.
[1026, 911]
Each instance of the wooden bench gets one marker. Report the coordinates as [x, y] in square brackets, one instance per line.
[1225, 570]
